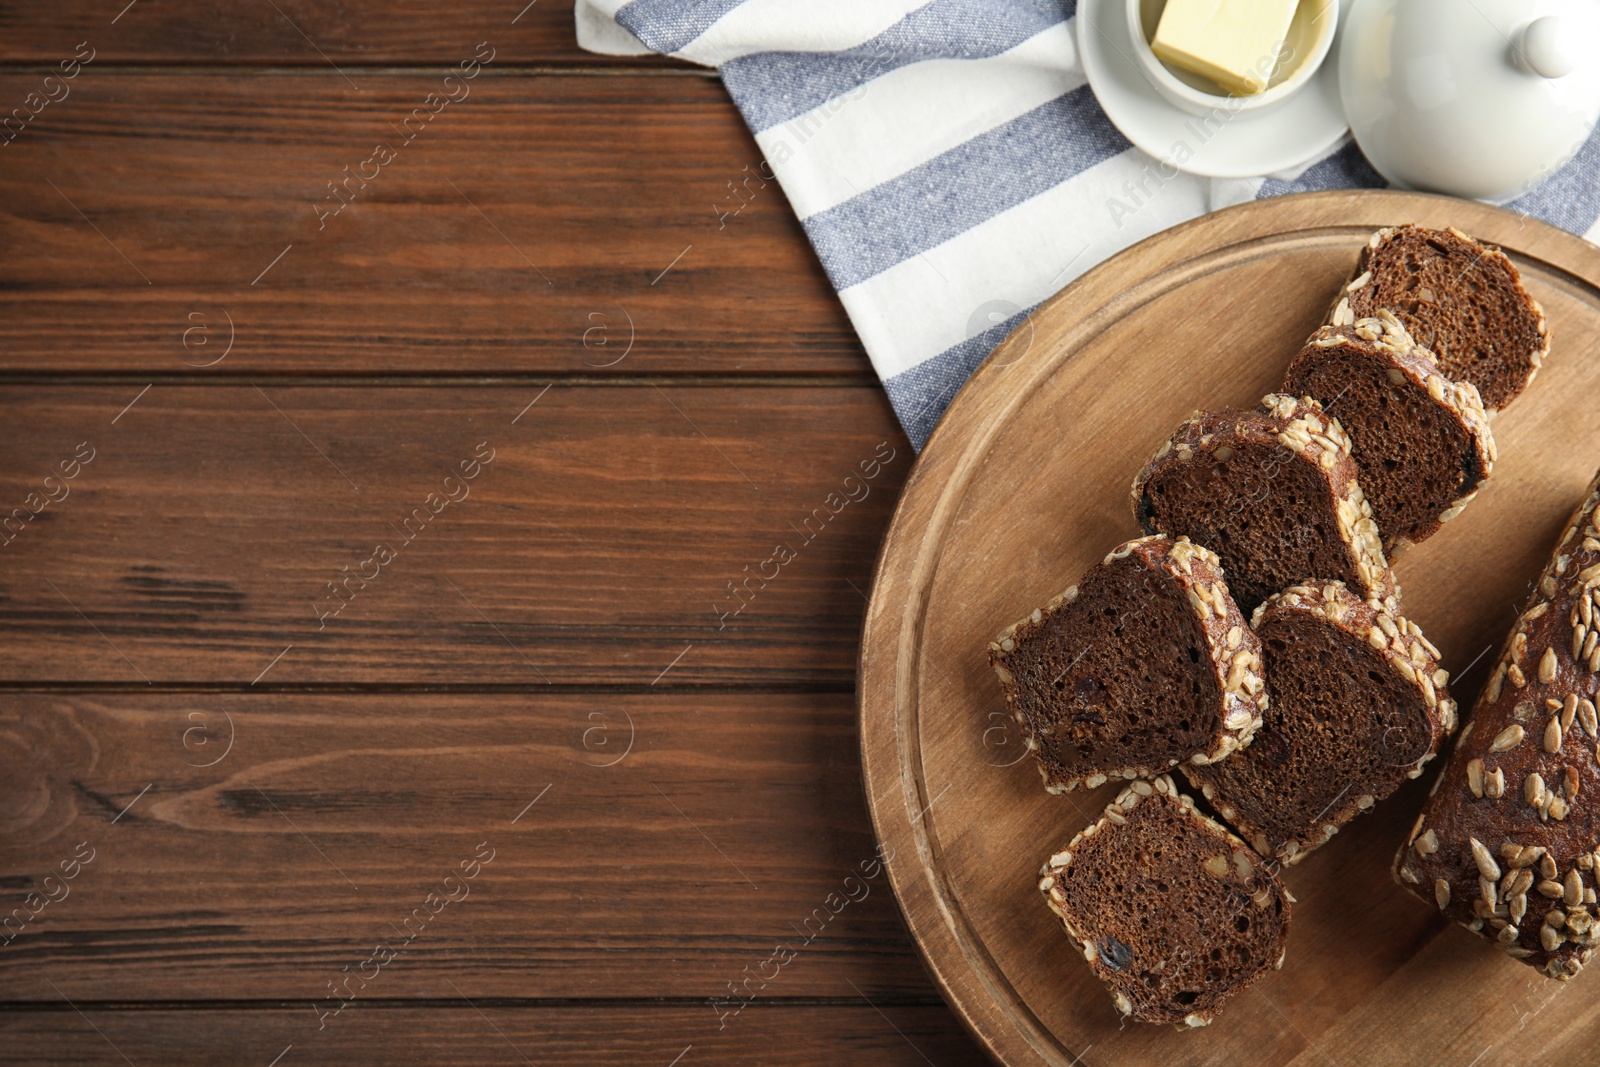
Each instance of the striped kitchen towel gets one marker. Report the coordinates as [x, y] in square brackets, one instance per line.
[950, 164]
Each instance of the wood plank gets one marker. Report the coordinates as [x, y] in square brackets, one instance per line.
[889, 1035]
[305, 34]
[670, 866]
[215, 526]
[527, 228]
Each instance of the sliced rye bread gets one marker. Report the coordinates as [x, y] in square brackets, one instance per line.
[1506, 843]
[1174, 913]
[1144, 664]
[1458, 297]
[1274, 493]
[1358, 705]
[1421, 442]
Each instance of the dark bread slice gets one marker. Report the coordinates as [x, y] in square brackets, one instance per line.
[1358, 705]
[1273, 492]
[1506, 844]
[1143, 664]
[1421, 442]
[1174, 913]
[1458, 297]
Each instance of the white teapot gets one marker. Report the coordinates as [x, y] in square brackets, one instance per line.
[1476, 98]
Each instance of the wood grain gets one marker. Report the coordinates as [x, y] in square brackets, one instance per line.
[507, 237]
[270, 841]
[490, 1034]
[574, 223]
[1203, 316]
[303, 34]
[216, 526]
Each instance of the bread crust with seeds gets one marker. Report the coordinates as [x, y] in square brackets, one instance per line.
[1506, 843]
[1421, 442]
[1458, 296]
[1359, 704]
[1227, 479]
[1073, 685]
[1173, 912]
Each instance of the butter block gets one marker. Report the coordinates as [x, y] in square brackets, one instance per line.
[1232, 42]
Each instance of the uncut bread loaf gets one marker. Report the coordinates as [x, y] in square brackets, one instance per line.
[1274, 493]
[1506, 843]
[1358, 705]
[1174, 913]
[1458, 297]
[1421, 442]
[1144, 664]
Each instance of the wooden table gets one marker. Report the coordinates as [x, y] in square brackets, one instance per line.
[397, 669]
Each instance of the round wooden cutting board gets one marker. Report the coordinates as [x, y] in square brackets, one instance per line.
[1025, 485]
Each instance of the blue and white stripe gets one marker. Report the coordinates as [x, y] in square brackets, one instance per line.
[950, 164]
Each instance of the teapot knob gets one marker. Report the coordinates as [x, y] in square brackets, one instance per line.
[1547, 46]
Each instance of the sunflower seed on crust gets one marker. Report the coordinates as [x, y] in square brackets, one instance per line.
[1507, 739]
[1484, 859]
[1475, 777]
[1496, 680]
[1533, 789]
[1552, 735]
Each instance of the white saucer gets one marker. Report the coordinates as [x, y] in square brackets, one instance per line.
[1248, 144]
